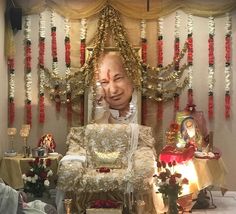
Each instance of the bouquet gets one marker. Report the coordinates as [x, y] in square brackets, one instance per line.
[36, 180]
[170, 184]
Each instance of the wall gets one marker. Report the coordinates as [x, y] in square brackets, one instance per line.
[56, 124]
[3, 91]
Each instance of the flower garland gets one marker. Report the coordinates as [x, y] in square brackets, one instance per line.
[176, 56]
[160, 65]
[55, 60]
[144, 59]
[11, 96]
[68, 71]
[28, 75]
[41, 67]
[211, 72]
[190, 59]
[228, 28]
[83, 34]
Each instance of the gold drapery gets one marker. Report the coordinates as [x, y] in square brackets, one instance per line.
[74, 9]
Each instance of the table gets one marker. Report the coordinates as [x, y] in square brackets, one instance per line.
[12, 168]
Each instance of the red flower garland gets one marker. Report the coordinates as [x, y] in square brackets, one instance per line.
[190, 63]
[28, 70]
[55, 60]
[211, 64]
[210, 105]
[160, 51]
[160, 65]
[82, 61]
[68, 95]
[41, 66]
[144, 99]
[11, 104]
[176, 64]
[227, 65]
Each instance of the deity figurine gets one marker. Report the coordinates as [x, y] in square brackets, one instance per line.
[47, 141]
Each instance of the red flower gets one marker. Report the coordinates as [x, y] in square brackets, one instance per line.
[185, 181]
[43, 175]
[172, 180]
[48, 162]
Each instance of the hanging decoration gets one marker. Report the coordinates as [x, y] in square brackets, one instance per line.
[211, 69]
[28, 75]
[11, 93]
[228, 33]
[41, 67]
[176, 55]
[144, 77]
[55, 60]
[160, 65]
[190, 59]
[68, 71]
[144, 59]
[83, 34]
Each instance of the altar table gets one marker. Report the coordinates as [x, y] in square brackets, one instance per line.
[12, 168]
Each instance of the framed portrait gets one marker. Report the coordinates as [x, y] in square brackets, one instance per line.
[114, 99]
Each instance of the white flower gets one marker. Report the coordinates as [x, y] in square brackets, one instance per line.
[228, 24]
[160, 26]
[36, 177]
[83, 29]
[143, 28]
[190, 24]
[46, 183]
[42, 25]
[24, 177]
[177, 24]
[33, 180]
[50, 173]
[28, 179]
[211, 25]
[227, 78]
[67, 27]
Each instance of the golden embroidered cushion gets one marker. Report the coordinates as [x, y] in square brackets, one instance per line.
[107, 159]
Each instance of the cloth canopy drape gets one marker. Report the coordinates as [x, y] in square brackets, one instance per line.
[77, 9]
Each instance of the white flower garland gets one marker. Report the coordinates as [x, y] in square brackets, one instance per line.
[190, 68]
[28, 75]
[177, 24]
[143, 29]
[42, 34]
[211, 70]
[83, 29]
[160, 26]
[11, 85]
[228, 28]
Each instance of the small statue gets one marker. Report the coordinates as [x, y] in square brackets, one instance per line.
[47, 141]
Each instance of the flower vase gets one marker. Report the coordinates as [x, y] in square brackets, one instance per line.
[172, 204]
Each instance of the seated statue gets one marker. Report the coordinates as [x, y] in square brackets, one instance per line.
[115, 160]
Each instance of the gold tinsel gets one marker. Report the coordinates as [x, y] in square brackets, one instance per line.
[155, 83]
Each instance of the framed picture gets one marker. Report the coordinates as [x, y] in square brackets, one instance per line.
[114, 99]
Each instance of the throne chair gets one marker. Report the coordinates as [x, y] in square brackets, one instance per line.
[109, 161]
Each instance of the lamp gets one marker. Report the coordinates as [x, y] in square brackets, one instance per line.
[24, 132]
[11, 132]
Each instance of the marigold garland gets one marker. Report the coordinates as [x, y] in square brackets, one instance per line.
[228, 33]
[211, 69]
[28, 75]
[41, 67]
[11, 103]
